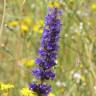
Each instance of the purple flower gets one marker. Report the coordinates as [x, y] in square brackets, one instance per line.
[46, 62]
[43, 74]
[47, 52]
[49, 75]
[37, 72]
[40, 89]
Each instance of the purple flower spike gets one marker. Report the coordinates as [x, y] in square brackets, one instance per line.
[47, 52]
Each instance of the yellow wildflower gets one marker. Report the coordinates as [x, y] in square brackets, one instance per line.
[5, 86]
[13, 23]
[27, 21]
[93, 6]
[24, 28]
[51, 94]
[35, 28]
[38, 27]
[26, 92]
[57, 4]
[40, 30]
[54, 4]
[50, 4]
[40, 22]
[28, 63]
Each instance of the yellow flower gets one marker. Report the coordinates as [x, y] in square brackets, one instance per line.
[13, 23]
[57, 4]
[26, 92]
[38, 27]
[24, 28]
[40, 30]
[51, 94]
[93, 6]
[41, 22]
[35, 28]
[28, 63]
[27, 21]
[50, 4]
[5, 86]
[54, 4]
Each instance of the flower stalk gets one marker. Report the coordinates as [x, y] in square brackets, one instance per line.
[48, 52]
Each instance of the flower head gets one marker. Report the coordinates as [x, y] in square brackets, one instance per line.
[26, 92]
[28, 62]
[41, 89]
[49, 42]
[13, 23]
[27, 21]
[5, 86]
[47, 52]
[93, 7]
[24, 28]
[38, 26]
[53, 4]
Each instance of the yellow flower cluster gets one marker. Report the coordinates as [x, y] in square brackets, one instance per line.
[23, 25]
[28, 63]
[53, 4]
[38, 27]
[93, 6]
[26, 23]
[56, 4]
[5, 86]
[26, 92]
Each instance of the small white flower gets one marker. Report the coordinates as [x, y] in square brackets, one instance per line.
[58, 83]
[77, 75]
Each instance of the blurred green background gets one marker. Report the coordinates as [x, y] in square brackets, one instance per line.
[21, 26]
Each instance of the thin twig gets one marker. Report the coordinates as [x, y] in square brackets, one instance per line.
[24, 1]
[3, 17]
